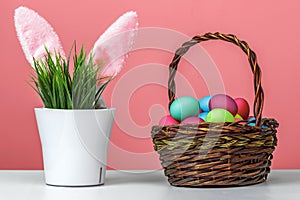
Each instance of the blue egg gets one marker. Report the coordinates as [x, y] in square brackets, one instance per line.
[203, 115]
[252, 122]
[251, 119]
[184, 107]
[204, 103]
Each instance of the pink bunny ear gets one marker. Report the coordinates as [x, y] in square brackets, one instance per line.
[34, 33]
[114, 44]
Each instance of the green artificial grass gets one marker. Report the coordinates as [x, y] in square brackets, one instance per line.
[59, 90]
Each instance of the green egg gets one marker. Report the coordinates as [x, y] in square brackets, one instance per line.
[238, 117]
[184, 107]
[218, 115]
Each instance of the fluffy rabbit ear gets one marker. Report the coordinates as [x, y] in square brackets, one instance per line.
[34, 34]
[114, 44]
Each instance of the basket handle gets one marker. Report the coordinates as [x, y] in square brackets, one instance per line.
[259, 94]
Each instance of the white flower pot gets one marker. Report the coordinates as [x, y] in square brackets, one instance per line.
[74, 144]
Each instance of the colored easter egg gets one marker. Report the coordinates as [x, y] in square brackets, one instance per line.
[204, 103]
[237, 119]
[243, 107]
[203, 115]
[192, 120]
[167, 121]
[219, 115]
[238, 116]
[251, 118]
[184, 107]
[251, 122]
[225, 102]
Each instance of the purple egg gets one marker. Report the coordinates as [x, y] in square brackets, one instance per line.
[192, 120]
[167, 121]
[223, 101]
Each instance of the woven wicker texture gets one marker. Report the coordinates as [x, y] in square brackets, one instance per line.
[217, 154]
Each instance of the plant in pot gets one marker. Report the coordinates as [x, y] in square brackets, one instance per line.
[74, 125]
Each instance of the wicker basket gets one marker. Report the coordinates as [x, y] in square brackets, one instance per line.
[217, 154]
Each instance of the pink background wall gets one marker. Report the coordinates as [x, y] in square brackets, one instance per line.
[272, 29]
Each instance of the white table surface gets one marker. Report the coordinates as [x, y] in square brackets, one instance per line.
[142, 185]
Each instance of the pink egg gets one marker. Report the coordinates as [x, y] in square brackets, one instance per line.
[223, 101]
[167, 121]
[237, 119]
[192, 120]
[243, 107]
